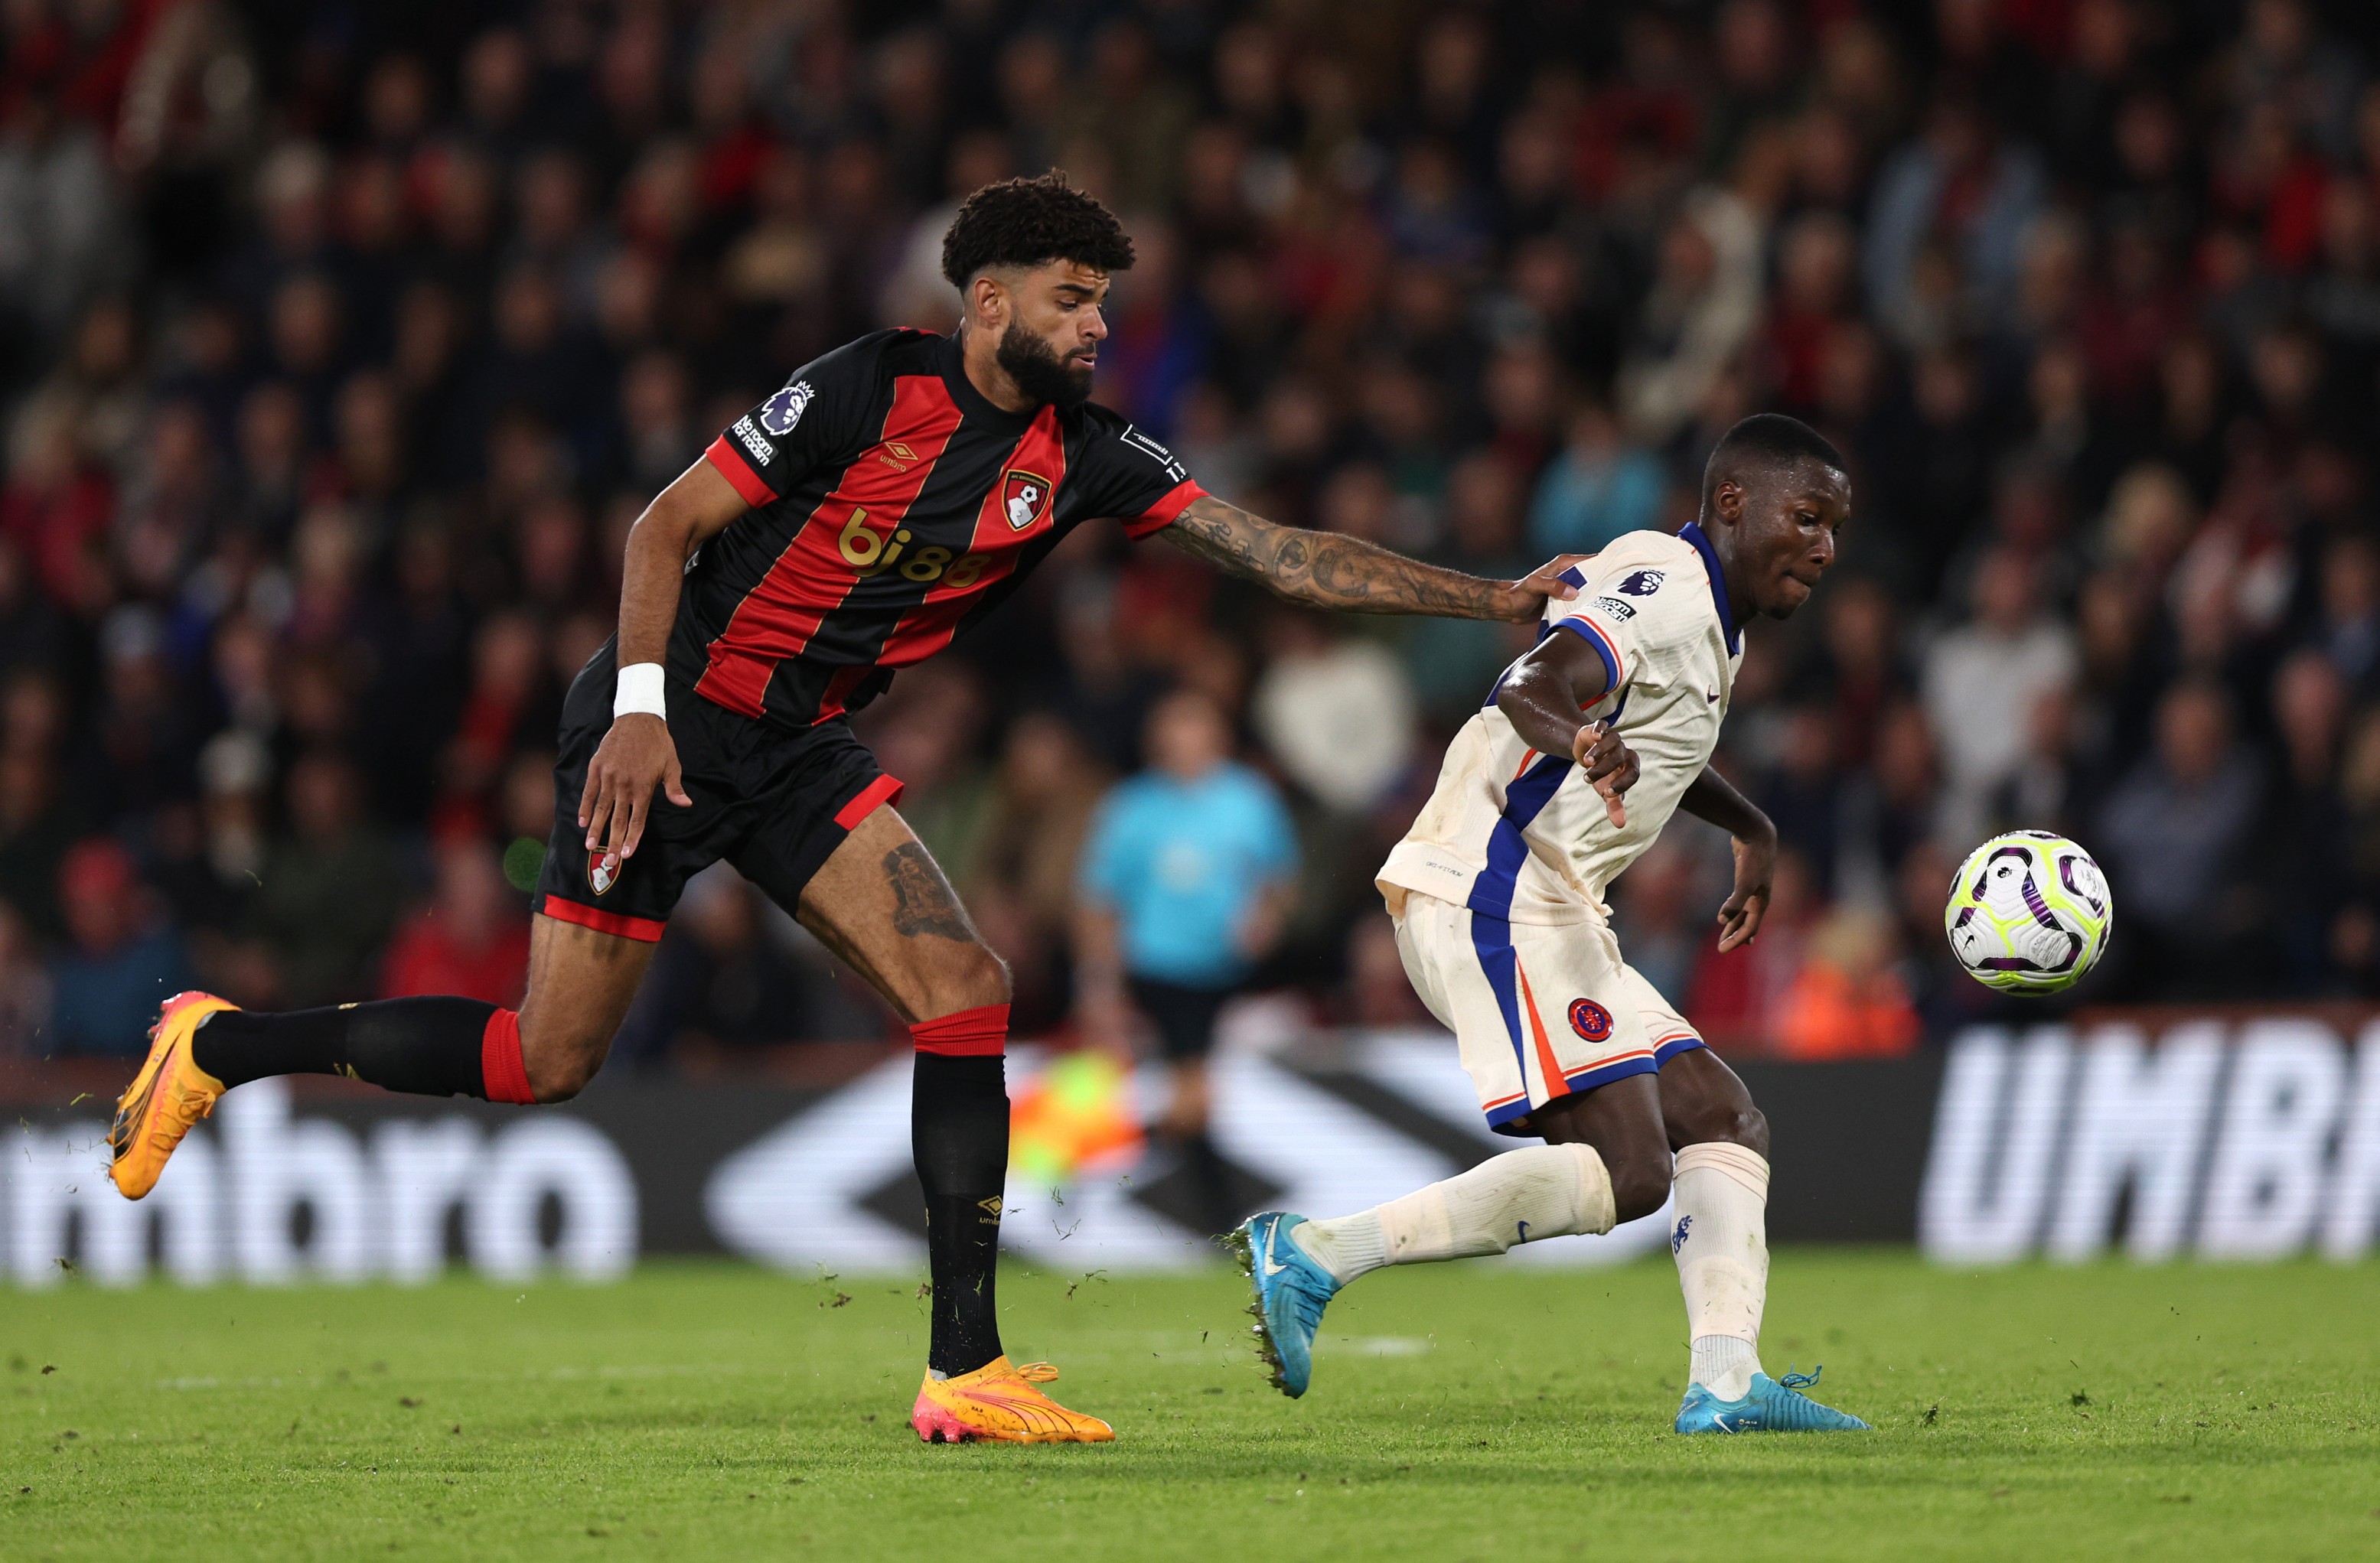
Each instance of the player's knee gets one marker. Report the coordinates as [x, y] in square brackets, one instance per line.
[561, 1080]
[1730, 1123]
[969, 981]
[559, 1060]
[1640, 1185]
[1748, 1127]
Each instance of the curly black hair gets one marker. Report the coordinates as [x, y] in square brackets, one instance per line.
[1029, 223]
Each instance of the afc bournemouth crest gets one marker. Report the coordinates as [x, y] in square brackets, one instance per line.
[1590, 1020]
[1024, 498]
[603, 871]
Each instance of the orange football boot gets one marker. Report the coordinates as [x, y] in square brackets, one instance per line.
[169, 1094]
[999, 1401]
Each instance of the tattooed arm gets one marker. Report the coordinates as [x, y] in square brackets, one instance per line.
[1332, 570]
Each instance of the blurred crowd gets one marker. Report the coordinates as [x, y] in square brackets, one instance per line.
[341, 345]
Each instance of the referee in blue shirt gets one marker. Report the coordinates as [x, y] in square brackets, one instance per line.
[1187, 879]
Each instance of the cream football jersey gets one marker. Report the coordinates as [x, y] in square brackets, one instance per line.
[1519, 835]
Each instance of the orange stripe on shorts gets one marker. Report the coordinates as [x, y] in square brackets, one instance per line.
[1555, 1084]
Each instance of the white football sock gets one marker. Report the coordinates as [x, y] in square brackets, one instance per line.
[1723, 1365]
[1347, 1246]
[1520, 1196]
[1721, 1244]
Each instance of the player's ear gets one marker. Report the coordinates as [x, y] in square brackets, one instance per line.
[1726, 500]
[988, 301]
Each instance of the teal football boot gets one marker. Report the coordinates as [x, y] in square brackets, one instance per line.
[1290, 1292]
[1771, 1405]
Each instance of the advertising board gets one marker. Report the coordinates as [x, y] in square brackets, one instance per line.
[2156, 1135]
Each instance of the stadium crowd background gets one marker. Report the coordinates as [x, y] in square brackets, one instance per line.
[344, 342]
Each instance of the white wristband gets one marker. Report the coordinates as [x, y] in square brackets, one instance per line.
[640, 689]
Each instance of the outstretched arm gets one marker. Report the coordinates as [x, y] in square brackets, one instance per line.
[1710, 796]
[1332, 570]
[1542, 694]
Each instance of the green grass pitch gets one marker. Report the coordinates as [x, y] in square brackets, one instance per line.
[1476, 1411]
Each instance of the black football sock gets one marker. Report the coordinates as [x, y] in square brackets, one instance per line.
[427, 1046]
[958, 1131]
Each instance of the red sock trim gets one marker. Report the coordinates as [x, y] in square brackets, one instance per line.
[883, 790]
[971, 1033]
[502, 1072]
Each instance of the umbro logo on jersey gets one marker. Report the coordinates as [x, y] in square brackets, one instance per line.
[1024, 498]
[1643, 583]
[782, 411]
[896, 456]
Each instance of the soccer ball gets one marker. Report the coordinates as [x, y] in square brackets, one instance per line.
[2029, 912]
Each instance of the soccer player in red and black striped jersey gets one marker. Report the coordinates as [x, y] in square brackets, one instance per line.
[854, 522]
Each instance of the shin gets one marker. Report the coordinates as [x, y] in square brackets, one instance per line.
[433, 1047]
[1720, 1240]
[580, 985]
[881, 905]
[1721, 1244]
[958, 1133]
[1520, 1196]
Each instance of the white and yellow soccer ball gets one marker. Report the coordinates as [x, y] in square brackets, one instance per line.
[2029, 912]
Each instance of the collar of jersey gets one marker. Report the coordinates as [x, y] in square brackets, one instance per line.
[1692, 533]
[972, 402]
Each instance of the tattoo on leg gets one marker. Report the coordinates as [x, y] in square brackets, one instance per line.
[922, 902]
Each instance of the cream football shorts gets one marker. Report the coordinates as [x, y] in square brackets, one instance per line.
[1537, 1012]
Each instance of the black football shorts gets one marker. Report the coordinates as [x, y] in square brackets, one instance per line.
[1184, 1018]
[775, 803]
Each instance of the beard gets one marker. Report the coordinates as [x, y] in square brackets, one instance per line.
[1037, 370]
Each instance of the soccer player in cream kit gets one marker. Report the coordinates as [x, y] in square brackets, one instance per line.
[1497, 893]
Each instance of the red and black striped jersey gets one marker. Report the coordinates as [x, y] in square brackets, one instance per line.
[892, 506]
